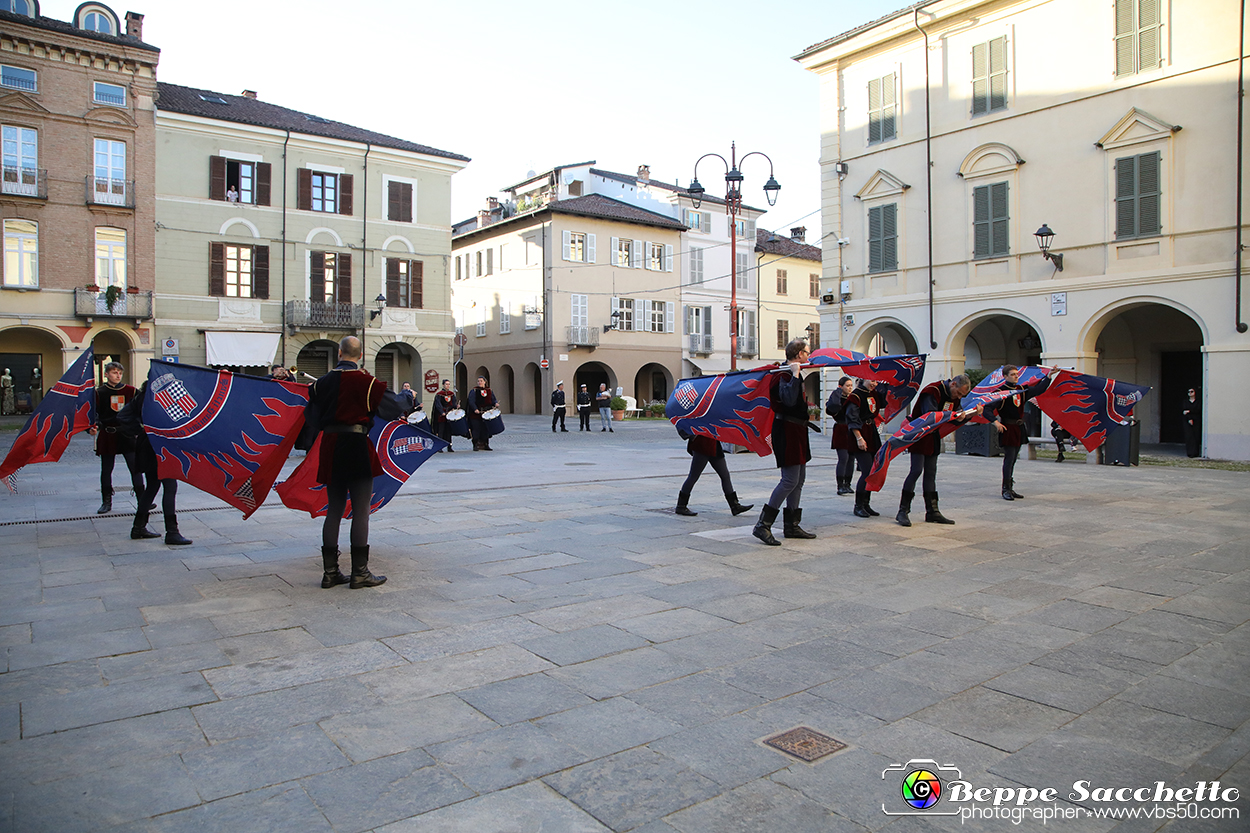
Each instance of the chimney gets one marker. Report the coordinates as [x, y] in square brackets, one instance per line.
[644, 173]
[134, 25]
[483, 218]
[798, 234]
[249, 94]
[492, 204]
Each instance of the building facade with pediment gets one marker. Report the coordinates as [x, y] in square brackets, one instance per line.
[953, 131]
[76, 191]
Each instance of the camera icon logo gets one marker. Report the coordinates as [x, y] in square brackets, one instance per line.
[920, 786]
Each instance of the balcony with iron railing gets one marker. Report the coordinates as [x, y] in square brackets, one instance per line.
[24, 182]
[93, 303]
[700, 343]
[748, 348]
[583, 336]
[105, 191]
[332, 316]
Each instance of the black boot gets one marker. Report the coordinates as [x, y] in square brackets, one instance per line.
[361, 577]
[1007, 495]
[904, 508]
[932, 514]
[1059, 458]
[791, 528]
[861, 501]
[734, 506]
[764, 526]
[844, 486]
[106, 505]
[683, 499]
[141, 532]
[330, 565]
[868, 504]
[1011, 489]
[173, 537]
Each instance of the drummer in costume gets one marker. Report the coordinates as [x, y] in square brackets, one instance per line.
[557, 408]
[790, 446]
[704, 451]
[444, 401]
[1009, 422]
[481, 399]
[346, 399]
[842, 441]
[584, 402]
[111, 397]
[943, 395]
[864, 408]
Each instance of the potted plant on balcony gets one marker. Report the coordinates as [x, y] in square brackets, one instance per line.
[132, 290]
[111, 294]
[92, 287]
[618, 408]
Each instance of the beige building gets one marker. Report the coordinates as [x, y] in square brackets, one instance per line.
[76, 198]
[589, 284]
[790, 288]
[280, 232]
[1113, 124]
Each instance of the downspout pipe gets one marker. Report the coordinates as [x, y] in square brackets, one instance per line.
[285, 322]
[364, 256]
[928, 168]
[1241, 105]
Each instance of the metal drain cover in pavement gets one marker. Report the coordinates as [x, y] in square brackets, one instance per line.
[579, 464]
[454, 471]
[805, 744]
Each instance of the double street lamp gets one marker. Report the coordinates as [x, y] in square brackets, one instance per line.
[733, 205]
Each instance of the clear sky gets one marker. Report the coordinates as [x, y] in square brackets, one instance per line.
[521, 85]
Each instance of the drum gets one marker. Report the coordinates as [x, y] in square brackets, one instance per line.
[457, 424]
[418, 418]
[492, 421]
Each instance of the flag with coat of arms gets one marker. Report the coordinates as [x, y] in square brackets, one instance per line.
[67, 409]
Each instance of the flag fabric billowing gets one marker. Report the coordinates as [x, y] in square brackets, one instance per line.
[944, 422]
[1087, 407]
[67, 409]
[401, 447]
[733, 407]
[226, 434]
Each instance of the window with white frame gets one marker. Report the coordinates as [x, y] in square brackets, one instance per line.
[700, 221]
[744, 271]
[623, 313]
[579, 315]
[110, 257]
[238, 261]
[20, 159]
[745, 229]
[459, 274]
[505, 318]
[881, 113]
[110, 172]
[622, 248]
[19, 78]
[1138, 189]
[990, 221]
[783, 333]
[989, 76]
[696, 265]
[883, 238]
[782, 282]
[661, 317]
[659, 257]
[113, 95]
[746, 332]
[477, 272]
[325, 192]
[1138, 36]
[490, 261]
[481, 324]
[21, 254]
[578, 247]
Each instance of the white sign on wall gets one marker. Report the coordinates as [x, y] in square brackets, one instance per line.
[169, 347]
[1058, 303]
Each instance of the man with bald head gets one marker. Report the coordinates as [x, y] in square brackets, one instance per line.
[346, 399]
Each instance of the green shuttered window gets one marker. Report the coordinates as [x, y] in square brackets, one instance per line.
[1137, 193]
[881, 120]
[989, 76]
[1138, 36]
[990, 222]
[883, 238]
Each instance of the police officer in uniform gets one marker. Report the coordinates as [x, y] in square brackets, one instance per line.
[557, 408]
[346, 399]
[584, 402]
[864, 408]
[110, 397]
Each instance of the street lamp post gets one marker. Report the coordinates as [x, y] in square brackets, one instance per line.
[733, 204]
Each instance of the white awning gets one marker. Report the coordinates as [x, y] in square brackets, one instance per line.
[241, 349]
[710, 366]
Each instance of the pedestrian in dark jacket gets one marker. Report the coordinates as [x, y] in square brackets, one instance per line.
[790, 446]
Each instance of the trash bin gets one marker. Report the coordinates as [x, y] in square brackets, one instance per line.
[977, 439]
[1123, 445]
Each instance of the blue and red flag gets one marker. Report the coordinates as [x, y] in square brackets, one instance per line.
[67, 409]
[224, 433]
[1087, 407]
[734, 408]
[401, 447]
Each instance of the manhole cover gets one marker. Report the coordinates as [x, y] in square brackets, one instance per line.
[805, 744]
[579, 464]
[455, 471]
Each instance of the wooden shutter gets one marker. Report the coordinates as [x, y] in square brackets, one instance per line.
[874, 239]
[1148, 191]
[1125, 197]
[317, 276]
[874, 110]
[392, 282]
[303, 190]
[668, 257]
[1125, 37]
[887, 107]
[889, 237]
[981, 221]
[999, 221]
[1148, 51]
[264, 179]
[998, 73]
[416, 284]
[567, 241]
[393, 202]
[590, 248]
[260, 272]
[707, 321]
[614, 257]
[345, 194]
[635, 254]
[217, 178]
[217, 269]
[344, 278]
[669, 308]
[980, 79]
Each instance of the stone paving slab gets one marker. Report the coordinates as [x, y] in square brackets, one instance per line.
[559, 652]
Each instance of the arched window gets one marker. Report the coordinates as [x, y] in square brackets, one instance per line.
[22, 7]
[96, 17]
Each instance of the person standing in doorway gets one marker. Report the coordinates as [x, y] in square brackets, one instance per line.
[603, 400]
[557, 408]
[1191, 419]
